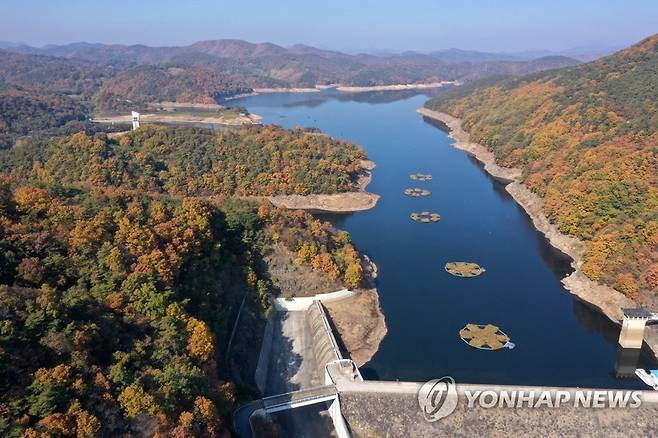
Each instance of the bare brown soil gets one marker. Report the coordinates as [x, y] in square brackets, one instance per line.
[238, 120]
[334, 203]
[360, 324]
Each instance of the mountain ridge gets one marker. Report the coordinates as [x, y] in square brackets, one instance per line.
[585, 138]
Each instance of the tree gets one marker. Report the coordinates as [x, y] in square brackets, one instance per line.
[354, 275]
[324, 263]
[134, 401]
[200, 342]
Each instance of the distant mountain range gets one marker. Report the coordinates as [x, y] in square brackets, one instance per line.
[121, 77]
[206, 70]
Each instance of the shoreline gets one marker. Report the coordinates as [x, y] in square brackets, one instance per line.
[343, 89]
[393, 87]
[251, 119]
[346, 202]
[358, 320]
[174, 105]
[604, 299]
[287, 90]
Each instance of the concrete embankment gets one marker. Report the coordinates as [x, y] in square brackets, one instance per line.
[399, 415]
[603, 298]
[386, 408]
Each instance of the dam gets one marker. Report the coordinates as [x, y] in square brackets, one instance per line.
[560, 341]
[301, 356]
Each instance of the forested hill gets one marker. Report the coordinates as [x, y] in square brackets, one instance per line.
[265, 161]
[586, 138]
[121, 279]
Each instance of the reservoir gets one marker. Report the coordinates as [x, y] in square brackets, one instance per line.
[559, 341]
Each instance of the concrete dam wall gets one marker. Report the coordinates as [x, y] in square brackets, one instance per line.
[324, 343]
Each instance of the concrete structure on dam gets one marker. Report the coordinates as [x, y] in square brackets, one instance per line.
[302, 365]
[633, 326]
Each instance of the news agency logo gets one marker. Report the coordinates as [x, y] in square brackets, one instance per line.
[438, 398]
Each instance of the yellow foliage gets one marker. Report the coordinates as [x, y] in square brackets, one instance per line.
[626, 284]
[306, 253]
[206, 410]
[31, 199]
[87, 425]
[354, 275]
[200, 341]
[57, 376]
[134, 401]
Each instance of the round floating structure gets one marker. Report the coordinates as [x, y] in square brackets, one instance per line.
[421, 177]
[416, 192]
[485, 337]
[464, 269]
[425, 217]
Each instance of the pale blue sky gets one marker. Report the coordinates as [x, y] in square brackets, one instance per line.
[503, 25]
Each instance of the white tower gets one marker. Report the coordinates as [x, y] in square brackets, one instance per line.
[135, 120]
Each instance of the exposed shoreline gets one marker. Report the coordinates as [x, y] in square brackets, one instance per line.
[346, 202]
[287, 90]
[250, 119]
[394, 87]
[343, 89]
[359, 321]
[176, 105]
[601, 297]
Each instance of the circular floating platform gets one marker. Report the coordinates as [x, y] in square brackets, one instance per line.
[464, 269]
[421, 177]
[425, 217]
[485, 337]
[416, 192]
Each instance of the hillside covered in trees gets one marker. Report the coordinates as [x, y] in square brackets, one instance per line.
[23, 112]
[207, 70]
[586, 139]
[123, 263]
[193, 161]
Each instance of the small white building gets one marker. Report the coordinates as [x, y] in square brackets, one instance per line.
[135, 120]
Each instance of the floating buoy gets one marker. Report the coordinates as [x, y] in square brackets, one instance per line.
[425, 217]
[485, 337]
[416, 192]
[464, 269]
[421, 177]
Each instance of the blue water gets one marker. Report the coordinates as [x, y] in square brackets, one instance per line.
[559, 341]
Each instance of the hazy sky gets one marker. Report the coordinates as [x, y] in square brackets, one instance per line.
[502, 25]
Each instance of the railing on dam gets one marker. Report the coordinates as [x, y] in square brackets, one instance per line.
[299, 398]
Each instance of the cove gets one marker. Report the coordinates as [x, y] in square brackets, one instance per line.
[559, 341]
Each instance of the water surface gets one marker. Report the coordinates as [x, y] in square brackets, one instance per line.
[559, 341]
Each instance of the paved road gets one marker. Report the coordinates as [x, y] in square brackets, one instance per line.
[241, 418]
